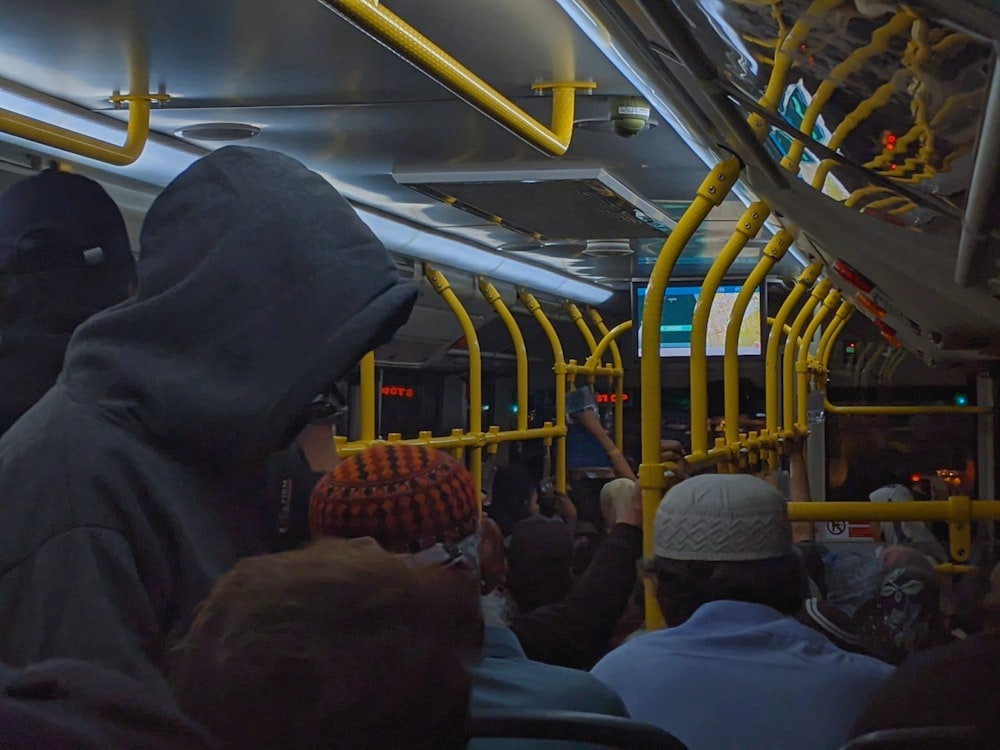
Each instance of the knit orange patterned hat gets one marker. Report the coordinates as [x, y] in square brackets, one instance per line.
[406, 497]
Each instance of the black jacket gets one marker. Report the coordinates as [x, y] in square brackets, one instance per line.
[576, 631]
[258, 285]
[73, 705]
[31, 358]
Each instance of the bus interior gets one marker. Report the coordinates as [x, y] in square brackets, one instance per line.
[829, 165]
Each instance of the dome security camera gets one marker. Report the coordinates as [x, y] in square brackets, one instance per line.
[629, 115]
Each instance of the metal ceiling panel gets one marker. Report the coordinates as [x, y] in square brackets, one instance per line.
[551, 204]
[325, 93]
[297, 51]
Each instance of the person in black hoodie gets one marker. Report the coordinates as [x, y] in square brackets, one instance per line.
[64, 255]
[258, 287]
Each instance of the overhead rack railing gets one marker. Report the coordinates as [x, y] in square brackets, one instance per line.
[384, 26]
[470, 440]
[787, 397]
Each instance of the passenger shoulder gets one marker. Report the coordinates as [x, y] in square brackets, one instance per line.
[520, 682]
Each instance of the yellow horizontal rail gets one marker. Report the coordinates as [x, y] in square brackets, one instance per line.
[458, 440]
[958, 511]
[924, 510]
[136, 135]
[387, 28]
[575, 368]
[868, 409]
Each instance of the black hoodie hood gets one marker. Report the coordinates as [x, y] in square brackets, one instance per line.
[64, 255]
[258, 286]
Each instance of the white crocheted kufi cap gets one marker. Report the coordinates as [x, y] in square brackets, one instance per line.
[719, 517]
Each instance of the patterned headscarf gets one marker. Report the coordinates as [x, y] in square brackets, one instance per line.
[904, 616]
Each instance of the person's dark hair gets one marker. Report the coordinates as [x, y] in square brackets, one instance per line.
[511, 497]
[682, 586]
[337, 646]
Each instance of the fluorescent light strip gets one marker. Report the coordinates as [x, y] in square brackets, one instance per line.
[630, 69]
[406, 239]
[163, 159]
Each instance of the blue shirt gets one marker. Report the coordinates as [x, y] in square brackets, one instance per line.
[507, 679]
[740, 676]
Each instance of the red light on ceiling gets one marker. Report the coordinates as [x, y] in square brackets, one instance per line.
[914, 478]
[870, 305]
[890, 146]
[892, 167]
[888, 333]
[854, 277]
[890, 138]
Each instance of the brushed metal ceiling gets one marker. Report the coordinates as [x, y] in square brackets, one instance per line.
[327, 94]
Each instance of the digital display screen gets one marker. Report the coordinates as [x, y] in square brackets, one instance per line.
[678, 309]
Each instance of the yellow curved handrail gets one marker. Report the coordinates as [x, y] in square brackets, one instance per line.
[520, 350]
[136, 135]
[818, 293]
[373, 18]
[772, 387]
[559, 367]
[443, 288]
[773, 252]
[746, 229]
[831, 301]
[619, 380]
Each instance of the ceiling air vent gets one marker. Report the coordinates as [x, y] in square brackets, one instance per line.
[547, 205]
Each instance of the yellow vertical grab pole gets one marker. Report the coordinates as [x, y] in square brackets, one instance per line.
[772, 385]
[559, 367]
[830, 334]
[577, 317]
[617, 379]
[773, 252]
[834, 335]
[711, 193]
[367, 397]
[746, 229]
[493, 297]
[616, 357]
[801, 366]
[841, 325]
[442, 287]
[819, 292]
